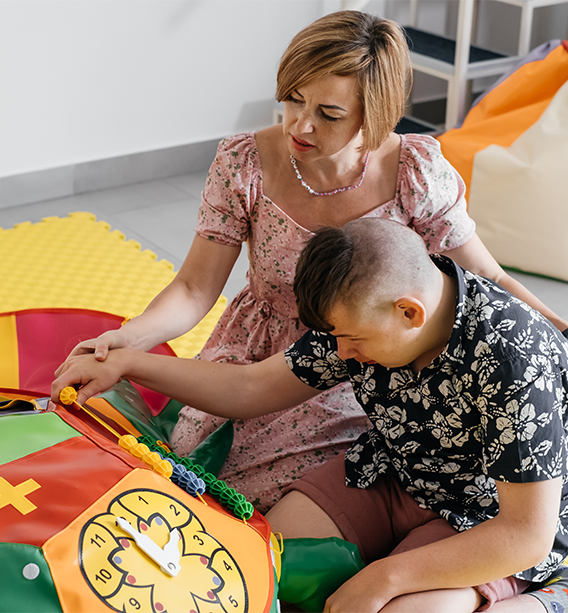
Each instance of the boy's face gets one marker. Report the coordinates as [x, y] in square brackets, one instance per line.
[384, 338]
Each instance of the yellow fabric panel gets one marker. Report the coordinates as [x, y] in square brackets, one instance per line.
[78, 262]
[9, 360]
[245, 565]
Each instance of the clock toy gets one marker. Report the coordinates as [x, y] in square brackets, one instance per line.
[87, 527]
[147, 541]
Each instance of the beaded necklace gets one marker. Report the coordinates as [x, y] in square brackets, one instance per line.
[335, 191]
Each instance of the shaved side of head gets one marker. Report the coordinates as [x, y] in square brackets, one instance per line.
[368, 264]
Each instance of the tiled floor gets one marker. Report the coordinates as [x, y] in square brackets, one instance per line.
[161, 215]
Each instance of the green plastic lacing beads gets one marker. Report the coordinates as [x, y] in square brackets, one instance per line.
[217, 488]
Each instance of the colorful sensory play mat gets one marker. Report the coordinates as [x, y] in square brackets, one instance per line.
[94, 519]
[96, 512]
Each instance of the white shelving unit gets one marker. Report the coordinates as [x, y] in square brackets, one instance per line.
[459, 69]
[462, 62]
[463, 67]
[527, 12]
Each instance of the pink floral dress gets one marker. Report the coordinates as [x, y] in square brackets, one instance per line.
[269, 452]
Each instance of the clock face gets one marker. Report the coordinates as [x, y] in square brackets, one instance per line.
[128, 580]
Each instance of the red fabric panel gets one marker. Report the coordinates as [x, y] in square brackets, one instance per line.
[72, 476]
[156, 402]
[47, 336]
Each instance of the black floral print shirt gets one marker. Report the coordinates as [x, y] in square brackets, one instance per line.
[491, 406]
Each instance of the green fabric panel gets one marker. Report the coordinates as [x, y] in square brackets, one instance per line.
[25, 434]
[312, 569]
[166, 420]
[212, 452]
[21, 595]
[126, 400]
[275, 608]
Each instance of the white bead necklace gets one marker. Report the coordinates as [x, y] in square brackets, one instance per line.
[335, 191]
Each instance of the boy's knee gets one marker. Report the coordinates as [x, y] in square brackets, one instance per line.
[297, 516]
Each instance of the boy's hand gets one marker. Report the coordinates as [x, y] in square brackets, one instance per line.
[91, 375]
[363, 593]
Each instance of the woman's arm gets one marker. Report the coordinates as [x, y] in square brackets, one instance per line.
[475, 257]
[178, 307]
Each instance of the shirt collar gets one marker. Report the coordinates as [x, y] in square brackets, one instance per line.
[453, 351]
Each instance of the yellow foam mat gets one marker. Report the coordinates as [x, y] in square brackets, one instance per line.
[79, 262]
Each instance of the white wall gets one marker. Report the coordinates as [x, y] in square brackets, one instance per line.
[82, 80]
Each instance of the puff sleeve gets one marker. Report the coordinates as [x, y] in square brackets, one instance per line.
[432, 195]
[230, 192]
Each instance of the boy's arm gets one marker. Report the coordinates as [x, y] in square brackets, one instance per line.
[519, 537]
[227, 390]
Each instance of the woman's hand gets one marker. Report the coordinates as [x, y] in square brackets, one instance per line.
[100, 346]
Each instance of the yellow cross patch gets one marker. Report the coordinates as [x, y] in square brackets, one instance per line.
[16, 495]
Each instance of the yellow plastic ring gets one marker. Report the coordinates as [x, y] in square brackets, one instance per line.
[68, 395]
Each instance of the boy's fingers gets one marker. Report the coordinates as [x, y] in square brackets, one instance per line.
[83, 394]
[88, 390]
[66, 377]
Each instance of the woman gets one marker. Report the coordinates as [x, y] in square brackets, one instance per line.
[335, 158]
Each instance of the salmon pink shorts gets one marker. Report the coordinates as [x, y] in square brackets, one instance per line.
[384, 520]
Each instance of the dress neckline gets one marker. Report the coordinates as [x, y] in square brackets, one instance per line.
[270, 201]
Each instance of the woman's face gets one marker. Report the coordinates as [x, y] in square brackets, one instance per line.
[323, 118]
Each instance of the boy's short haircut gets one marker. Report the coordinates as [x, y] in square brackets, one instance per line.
[368, 262]
[321, 270]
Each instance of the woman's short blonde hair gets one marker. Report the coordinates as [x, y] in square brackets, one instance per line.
[351, 43]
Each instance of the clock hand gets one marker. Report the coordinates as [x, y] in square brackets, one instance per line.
[166, 558]
[171, 548]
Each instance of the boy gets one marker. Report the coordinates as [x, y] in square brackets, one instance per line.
[466, 390]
